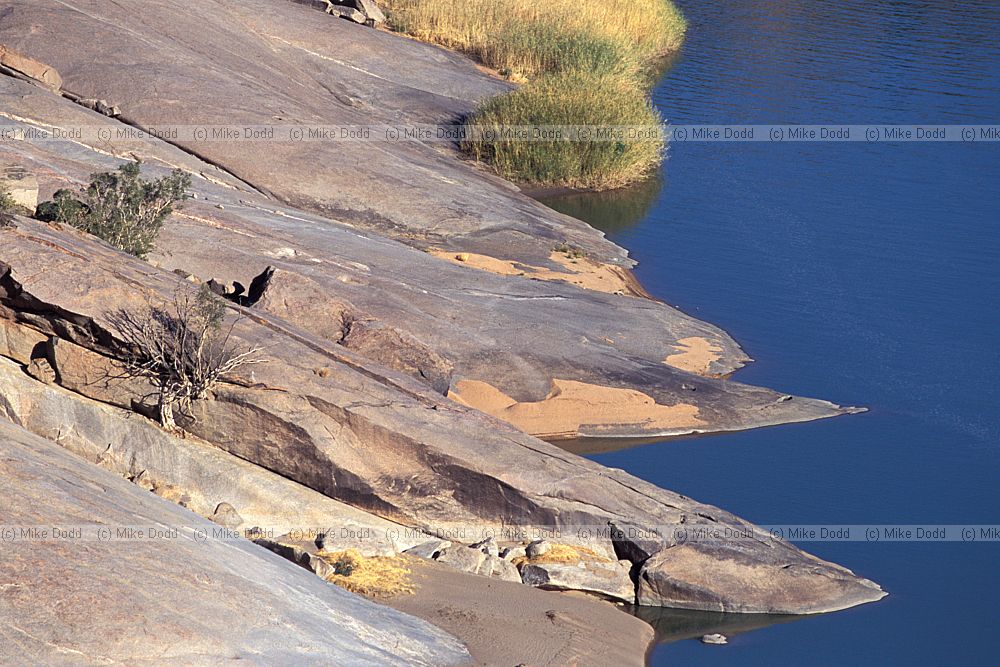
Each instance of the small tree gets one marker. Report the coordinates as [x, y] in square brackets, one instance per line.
[120, 207]
[183, 350]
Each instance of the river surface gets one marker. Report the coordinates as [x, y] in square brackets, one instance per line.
[866, 274]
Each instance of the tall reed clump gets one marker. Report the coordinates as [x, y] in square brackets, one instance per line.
[583, 63]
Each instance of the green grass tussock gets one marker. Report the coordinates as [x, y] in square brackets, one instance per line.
[584, 62]
[565, 99]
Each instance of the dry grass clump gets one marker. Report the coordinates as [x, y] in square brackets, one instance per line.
[586, 62]
[570, 99]
[374, 577]
[524, 38]
[562, 553]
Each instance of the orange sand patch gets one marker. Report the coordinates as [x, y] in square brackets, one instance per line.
[572, 407]
[696, 355]
[580, 271]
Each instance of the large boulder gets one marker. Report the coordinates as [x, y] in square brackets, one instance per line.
[726, 577]
[606, 579]
[182, 597]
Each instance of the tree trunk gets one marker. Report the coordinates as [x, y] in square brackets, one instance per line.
[167, 414]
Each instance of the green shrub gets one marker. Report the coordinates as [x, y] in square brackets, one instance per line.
[7, 204]
[120, 207]
[570, 99]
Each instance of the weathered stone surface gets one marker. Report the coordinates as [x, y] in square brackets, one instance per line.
[473, 320]
[681, 577]
[30, 68]
[385, 443]
[349, 13]
[369, 8]
[461, 557]
[510, 553]
[724, 577]
[501, 569]
[21, 185]
[537, 548]
[606, 579]
[302, 301]
[41, 371]
[430, 549]
[136, 449]
[75, 601]
[487, 546]
[227, 516]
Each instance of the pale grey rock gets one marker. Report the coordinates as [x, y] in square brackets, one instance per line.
[175, 600]
[609, 580]
[510, 553]
[500, 569]
[733, 577]
[135, 448]
[227, 516]
[487, 546]
[430, 549]
[537, 548]
[463, 558]
[349, 13]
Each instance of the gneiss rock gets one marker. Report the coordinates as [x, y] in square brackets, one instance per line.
[735, 577]
[41, 370]
[20, 64]
[383, 442]
[404, 190]
[606, 579]
[211, 479]
[209, 601]
[430, 549]
[487, 546]
[349, 13]
[226, 515]
[510, 553]
[463, 558]
[537, 548]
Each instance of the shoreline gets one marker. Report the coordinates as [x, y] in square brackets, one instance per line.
[368, 332]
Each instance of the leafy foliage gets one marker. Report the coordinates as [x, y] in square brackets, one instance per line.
[120, 207]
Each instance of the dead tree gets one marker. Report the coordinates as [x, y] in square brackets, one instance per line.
[182, 350]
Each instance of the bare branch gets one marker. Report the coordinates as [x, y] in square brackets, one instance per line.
[183, 349]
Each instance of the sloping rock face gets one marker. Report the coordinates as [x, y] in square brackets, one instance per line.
[366, 211]
[195, 474]
[168, 600]
[388, 444]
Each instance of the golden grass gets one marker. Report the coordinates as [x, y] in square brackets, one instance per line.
[562, 553]
[521, 38]
[374, 577]
[586, 63]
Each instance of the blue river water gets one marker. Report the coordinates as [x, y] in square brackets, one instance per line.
[863, 273]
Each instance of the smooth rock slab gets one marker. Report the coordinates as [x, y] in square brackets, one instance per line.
[609, 580]
[725, 577]
[169, 601]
